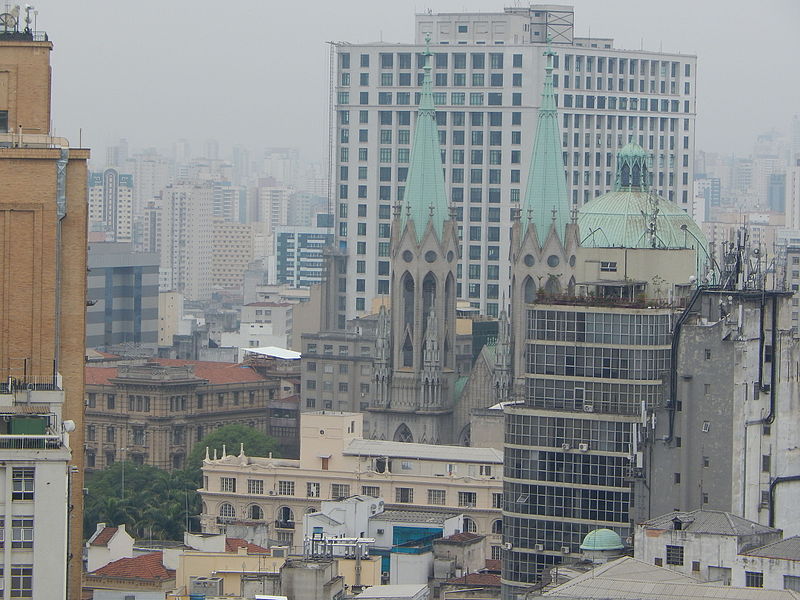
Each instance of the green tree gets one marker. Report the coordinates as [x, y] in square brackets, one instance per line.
[152, 503]
[231, 436]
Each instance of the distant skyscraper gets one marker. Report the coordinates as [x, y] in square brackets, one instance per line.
[43, 217]
[185, 231]
[111, 204]
[487, 77]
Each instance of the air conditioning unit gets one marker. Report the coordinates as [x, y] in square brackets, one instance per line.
[385, 574]
[279, 552]
[565, 446]
[588, 408]
[507, 546]
[539, 547]
[205, 586]
[564, 549]
[271, 492]
[583, 447]
[379, 531]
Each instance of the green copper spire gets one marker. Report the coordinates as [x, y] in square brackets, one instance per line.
[546, 199]
[425, 198]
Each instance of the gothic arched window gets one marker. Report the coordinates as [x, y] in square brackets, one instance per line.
[403, 434]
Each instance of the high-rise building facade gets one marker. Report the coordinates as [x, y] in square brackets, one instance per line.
[122, 290]
[184, 234]
[488, 71]
[299, 258]
[111, 205]
[43, 220]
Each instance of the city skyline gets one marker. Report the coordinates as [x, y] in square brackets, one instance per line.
[259, 53]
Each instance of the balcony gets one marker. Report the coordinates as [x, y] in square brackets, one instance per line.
[30, 442]
[284, 524]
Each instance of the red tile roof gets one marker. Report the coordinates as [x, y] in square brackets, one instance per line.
[147, 567]
[104, 536]
[233, 544]
[484, 579]
[215, 372]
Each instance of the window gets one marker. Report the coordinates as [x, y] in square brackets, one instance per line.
[373, 491]
[22, 581]
[255, 486]
[111, 401]
[469, 525]
[340, 490]
[227, 484]
[436, 497]
[22, 482]
[22, 533]
[608, 267]
[791, 582]
[675, 555]
[286, 488]
[753, 579]
[497, 500]
[312, 489]
[467, 499]
[766, 460]
[404, 495]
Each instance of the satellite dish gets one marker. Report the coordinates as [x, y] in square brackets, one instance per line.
[69, 426]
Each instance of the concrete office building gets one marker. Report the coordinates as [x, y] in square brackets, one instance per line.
[122, 289]
[589, 374]
[111, 205]
[43, 217]
[487, 73]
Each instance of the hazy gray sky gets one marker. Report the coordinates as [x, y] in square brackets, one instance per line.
[256, 71]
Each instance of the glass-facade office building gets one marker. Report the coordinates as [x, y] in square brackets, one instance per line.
[571, 448]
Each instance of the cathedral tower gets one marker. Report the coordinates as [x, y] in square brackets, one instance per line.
[544, 236]
[415, 366]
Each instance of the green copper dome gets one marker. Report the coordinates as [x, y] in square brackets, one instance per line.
[633, 216]
[599, 540]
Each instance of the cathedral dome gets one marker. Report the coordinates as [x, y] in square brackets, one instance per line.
[634, 216]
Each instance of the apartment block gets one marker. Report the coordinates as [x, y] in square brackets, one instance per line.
[35, 455]
[111, 205]
[488, 72]
[182, 231]
[231, 253]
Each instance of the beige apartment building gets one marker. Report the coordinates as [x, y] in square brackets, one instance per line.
[231, 252]
[336, 462]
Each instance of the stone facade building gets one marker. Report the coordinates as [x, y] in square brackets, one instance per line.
[154, 413]
[336, 461]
